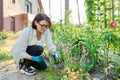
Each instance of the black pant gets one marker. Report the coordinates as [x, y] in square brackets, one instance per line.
[35, 51]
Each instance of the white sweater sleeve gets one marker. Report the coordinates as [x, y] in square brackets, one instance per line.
[19, 48]
[48, 41]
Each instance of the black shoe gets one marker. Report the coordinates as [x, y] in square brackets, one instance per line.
[27, 71]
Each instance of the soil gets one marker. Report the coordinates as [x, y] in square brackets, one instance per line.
[8, 71]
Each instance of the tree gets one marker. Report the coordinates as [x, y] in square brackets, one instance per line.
[112, 10]
[67, 12]
[41, 6]
[78, 12]
[50, 8]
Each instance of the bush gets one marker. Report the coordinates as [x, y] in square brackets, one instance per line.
[3, 35]
[7, 35]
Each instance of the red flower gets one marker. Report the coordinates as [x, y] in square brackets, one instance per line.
[112, 25]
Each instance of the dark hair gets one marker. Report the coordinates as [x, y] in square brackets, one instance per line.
[39, 17]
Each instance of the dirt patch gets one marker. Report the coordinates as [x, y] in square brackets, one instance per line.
[7, 42]
[8, 71]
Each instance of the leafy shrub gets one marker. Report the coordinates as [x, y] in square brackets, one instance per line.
[71, 74]
[3, 35]
[7, 35]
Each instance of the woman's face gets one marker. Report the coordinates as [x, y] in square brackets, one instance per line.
[42, 26]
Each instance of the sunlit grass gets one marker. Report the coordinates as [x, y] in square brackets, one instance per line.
[5, 48]
[5, 55]
[50, 74]
[8, 35]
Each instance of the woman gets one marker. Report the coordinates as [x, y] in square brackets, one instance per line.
[28, 47]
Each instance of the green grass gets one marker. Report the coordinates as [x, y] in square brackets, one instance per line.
[5, 55]
[50, 74]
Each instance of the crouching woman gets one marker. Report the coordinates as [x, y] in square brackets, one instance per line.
[28, 47]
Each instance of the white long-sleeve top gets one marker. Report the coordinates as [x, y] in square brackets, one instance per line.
[28, 38]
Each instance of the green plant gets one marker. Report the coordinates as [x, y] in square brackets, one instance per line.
[4, 55]
[3, 34]
[117, 71]
[72, 74]
[7, 35]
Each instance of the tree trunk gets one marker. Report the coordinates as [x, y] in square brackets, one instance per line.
[41, 6]
[112, 10]
[61, 9]
[1, 15]
[105, 20]
[78, 12]
[67, 12]
[118, 11]
[50, 8]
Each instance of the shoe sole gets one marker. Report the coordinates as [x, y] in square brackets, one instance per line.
[23, 72]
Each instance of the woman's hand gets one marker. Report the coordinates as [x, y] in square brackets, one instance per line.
[55, 56]
[36, 58]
